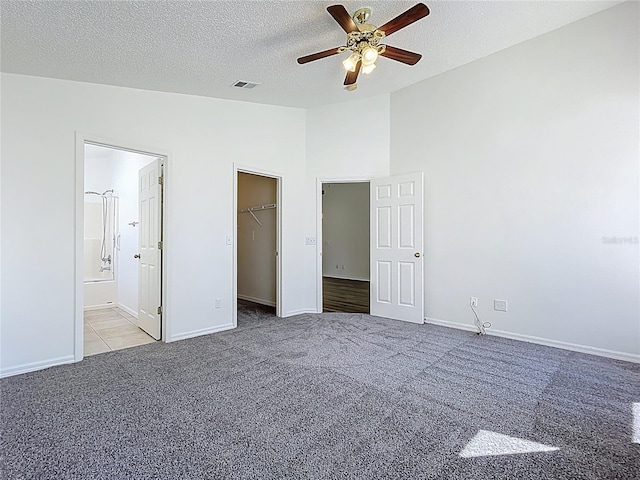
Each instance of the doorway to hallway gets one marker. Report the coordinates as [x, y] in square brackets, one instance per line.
[345, 247]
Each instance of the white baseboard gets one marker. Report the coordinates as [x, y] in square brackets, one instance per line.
[130, 311]
[100, 307]
[32, 367]
[601, 352]
[200, 332]
[574, 347]
[257, 300]
[302, 311]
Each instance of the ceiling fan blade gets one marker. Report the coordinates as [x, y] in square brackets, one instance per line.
[414, 14]
[318, 56]
[400, 55]
[351, 77]
[340, 15]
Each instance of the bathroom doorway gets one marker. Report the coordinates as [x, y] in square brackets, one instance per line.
[121, 225]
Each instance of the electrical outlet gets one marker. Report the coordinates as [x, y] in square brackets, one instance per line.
[500, 305]
[474, 301]
[218, 303]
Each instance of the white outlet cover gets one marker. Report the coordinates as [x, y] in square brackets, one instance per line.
[500, 305]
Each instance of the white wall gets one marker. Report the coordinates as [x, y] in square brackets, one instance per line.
[203, 138]
[349, 140]
[531, 159]
[98, 172]
[345, 230]
[257, 243]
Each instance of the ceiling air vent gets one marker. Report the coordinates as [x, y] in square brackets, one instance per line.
[242, 84]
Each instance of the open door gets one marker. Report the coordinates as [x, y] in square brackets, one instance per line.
[150, 249]
[396, 247]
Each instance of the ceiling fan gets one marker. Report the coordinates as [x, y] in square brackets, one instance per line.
[363, 41]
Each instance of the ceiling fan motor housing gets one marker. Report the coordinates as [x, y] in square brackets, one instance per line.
[361, 15]
[357, 41]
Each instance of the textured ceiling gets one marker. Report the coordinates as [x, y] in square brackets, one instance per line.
[202, 47]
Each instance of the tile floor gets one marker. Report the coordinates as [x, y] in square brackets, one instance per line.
[110, 329]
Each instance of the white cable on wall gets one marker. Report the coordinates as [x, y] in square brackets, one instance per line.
[481, 325]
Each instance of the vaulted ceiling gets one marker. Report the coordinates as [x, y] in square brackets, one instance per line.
[203, 47]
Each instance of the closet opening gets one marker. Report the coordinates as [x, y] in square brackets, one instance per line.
[257, 244]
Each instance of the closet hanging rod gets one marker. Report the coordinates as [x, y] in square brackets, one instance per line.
[257, 209]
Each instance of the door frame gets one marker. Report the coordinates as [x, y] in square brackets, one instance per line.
[319, 182]
[279, 178]
[126, 145]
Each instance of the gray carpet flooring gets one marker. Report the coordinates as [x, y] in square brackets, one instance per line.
[330, 396]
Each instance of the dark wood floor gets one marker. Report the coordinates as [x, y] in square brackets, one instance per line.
[247, 306]
[340, 295]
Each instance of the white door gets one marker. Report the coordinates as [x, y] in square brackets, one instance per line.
[397, 248]
[150, 250]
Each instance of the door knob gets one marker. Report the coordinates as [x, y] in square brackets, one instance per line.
[137, 255]
[417, 254]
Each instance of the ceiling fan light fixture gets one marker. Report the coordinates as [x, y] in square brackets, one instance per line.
[368, 68]
[369, 55]
[351, 62]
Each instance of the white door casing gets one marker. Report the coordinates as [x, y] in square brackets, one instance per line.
[397, 267]
[149, 238]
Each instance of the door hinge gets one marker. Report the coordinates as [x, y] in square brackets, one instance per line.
[160, 310]
[159, 245]
[160, 180]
